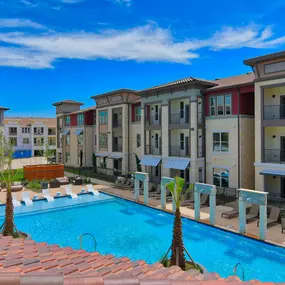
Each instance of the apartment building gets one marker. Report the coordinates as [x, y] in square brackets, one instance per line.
[229, 113]
[30, 136]
[269, 71]
[118, 130]
[75, 133]
[173, 129]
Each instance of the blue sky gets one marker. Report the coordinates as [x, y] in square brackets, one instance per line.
[52, 50]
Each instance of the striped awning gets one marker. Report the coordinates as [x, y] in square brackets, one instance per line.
[273, 172]
[149, 160]
[176, 163]
[66, 132]
[102, 154]
[115, 156]
[78, 132]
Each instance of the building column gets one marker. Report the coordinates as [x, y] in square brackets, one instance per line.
[194, 140]
[126, 140]
[142, 136]
[242, 215]
[165, 137]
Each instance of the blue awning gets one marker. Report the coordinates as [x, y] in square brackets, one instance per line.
[115, 156]
[273, 172]
[149, 160]
[102, 154]
[176, 163]
[79, 132]
[65, 132]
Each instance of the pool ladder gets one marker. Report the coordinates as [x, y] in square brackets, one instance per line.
[87, 234]
[235, 270]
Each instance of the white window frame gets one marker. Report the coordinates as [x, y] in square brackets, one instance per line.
[220, 142]
[224, 105]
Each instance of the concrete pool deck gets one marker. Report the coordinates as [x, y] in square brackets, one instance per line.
[274, 234]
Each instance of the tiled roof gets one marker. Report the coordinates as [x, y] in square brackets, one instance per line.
[25, 121]
[267, 57]
[237, 80]
[83, 110]
[180, 82]
[67, 102]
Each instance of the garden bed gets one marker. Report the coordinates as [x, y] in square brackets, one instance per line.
[43, 171]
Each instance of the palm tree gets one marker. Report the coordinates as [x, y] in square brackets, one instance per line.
[177, 246]
[6, 155]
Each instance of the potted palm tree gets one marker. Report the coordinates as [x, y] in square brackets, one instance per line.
[7, 174]
[177, 246]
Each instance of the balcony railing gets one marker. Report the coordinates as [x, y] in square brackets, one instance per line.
[117, 147]
[151, 149]
[274, 112]
[177, 151]
[38, 133]
[117, 123]
[51, 133]
[179, 119]
[153, 120]
[274, 156]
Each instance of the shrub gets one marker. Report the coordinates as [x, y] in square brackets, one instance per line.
[34, 185]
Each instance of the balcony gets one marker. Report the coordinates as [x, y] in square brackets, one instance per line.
[117, 123]
[153, 120]
[179, 119]
[117, 148]
[51, 132]
[151, 149]
[177, 151]
[274, 112]
[274, 156]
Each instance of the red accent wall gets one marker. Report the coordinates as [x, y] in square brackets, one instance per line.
[88, 118]
[246, 99]
[73, 120]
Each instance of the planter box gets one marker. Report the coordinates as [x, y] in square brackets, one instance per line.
[43, 171]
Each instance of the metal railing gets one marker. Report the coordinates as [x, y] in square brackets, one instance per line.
[274, 156]
[153, 120]
[87, 234]
[274, 112]
[177, 151]
[117, 147]
[179, 119]
[117, 123]
[151, 149]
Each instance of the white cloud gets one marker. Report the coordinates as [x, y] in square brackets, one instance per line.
[128, 3]
[71, 1]
[18, 23]
[146, 43]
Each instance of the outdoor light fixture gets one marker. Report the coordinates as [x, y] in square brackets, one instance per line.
[273, 96]
[274, 137]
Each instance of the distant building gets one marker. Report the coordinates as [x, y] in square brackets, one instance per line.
[30, 136]
[2, 111]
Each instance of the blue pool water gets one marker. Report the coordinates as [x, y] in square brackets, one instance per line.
[127, 229]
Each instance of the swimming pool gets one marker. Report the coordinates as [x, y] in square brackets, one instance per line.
[127, 229]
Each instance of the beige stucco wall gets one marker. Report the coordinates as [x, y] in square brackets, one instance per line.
[269, 141]
[260, 68]
[175, 105]
[227, 160]
[269, 92]
[259, 179]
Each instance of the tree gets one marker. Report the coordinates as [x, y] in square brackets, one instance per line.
[47, 152]
[94, 163]
[81, 158]
[7, 174]
[177, 246]
[139, 167]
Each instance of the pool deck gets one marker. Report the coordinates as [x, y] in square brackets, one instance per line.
[274, 234]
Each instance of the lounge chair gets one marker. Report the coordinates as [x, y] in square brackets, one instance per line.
[47, 195]
[26, 198]
[15, 202]
[232, 213]
[253, 213]
[119, 182]
[203, 201]
[156, 194]
[273, 217]
[69, 192]
[92, 190]
[189, 201]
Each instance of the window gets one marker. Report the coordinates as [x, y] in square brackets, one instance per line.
[213, 106]
[182, 141]
[138, 140]
[51, 132]
[274, 67]
[26, 140]
[67, 139]
[156, 112]
[67, 121]
[25, 130]
[221, 105]
[13, 141]
[80, 119]
[156, 140]
[103, 141]
[138, 114]
[42, 130]
[181, 110]
[51, 141]
[221, 142]
[95, 140]
[103, 117]
[67, 157]
[13, 131]
[80, 139]
[221, 177]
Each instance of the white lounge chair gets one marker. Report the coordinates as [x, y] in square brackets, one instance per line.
[92, 190]
[69, 192]
[15, 202]
[47, 195]
[26, 198]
